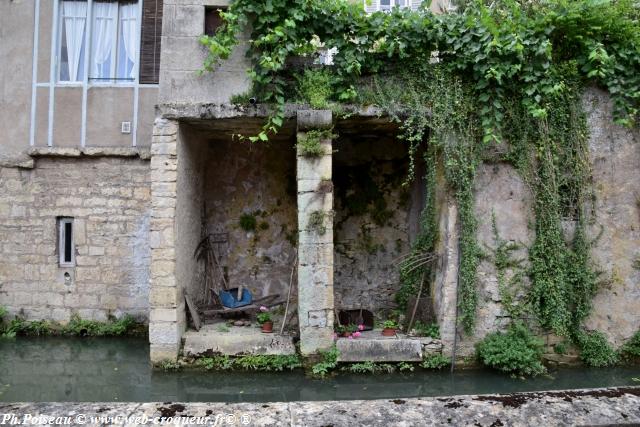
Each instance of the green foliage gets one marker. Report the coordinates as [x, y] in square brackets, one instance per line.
[516, 351]
[390, 324]
[251, 362]
[631, 349]
[316, 222]
[560, 348]
[315, 86]
[434, 361]
[263, 317]
[248, 222]
[510, 286]
[310, 143]
[240, 99]
[78, 326]
[369, 368]
[426, 330]
[595, 350]
[328, 362]
[170, 366]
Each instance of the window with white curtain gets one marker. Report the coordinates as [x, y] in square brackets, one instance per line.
[113, 40]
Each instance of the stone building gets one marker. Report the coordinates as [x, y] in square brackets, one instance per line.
[120, 156]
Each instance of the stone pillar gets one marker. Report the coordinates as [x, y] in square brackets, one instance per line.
[315, 238]
[166, 303]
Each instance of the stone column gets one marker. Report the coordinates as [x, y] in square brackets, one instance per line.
[166, 303]
[315, 238]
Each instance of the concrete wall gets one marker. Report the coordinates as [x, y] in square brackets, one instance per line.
[182, 58]
[106, 107]
[109, 200]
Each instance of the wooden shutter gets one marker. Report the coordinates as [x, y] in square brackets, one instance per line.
[150, 41]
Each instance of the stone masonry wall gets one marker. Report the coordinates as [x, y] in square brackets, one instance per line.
[254, 181]
[109, 199]
[371, 223]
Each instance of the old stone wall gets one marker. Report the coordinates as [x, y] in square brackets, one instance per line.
[615, 160]
[109, 200]
[372, 220]
[613, 227]
[250, 198]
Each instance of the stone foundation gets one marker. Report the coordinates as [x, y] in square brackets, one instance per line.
[109, 200]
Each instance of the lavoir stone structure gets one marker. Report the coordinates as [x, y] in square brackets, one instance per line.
[109, 180]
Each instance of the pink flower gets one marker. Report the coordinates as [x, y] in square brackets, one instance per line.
[350, 337]
[357, 334]
[361, 327]
[263, 308]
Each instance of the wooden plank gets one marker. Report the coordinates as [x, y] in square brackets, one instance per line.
[193, 311]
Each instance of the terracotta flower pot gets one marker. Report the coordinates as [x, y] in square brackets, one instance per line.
[267, 327]
[388, 332]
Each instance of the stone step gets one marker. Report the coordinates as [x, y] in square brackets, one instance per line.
[372, 348]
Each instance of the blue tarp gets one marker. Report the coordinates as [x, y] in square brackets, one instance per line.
[229, 298]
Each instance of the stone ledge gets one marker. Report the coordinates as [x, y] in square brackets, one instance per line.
[373, 347]
[605, 406]
[143, 153]
[237, 341]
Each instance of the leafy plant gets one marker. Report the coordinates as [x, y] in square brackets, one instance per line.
[561, 348]
[263, 316]
[390, 324]
[328, 362]
[78, 326]
[310, 143]
[316, 222]
[248, 222]
[631, 349]
[595, 350]
[423, 330]
[315, 86]
[516, 351]
[434, 361]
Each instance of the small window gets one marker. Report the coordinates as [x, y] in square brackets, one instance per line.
[66, 249]
[212, 19]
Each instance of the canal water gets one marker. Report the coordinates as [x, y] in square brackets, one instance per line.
[117, 369]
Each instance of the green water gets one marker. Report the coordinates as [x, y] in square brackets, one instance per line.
[117, 369]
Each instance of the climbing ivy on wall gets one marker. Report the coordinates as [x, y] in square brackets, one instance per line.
[497, 74]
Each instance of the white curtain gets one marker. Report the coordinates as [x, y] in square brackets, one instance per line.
[128, 21]
[74, 14]
[103, 37]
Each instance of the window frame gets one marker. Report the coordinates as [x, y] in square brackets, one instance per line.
[88, 48]
[62, 240]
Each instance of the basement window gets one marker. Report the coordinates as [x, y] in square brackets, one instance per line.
[212, 19]
[65, 242]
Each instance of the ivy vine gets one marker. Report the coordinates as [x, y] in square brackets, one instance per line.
[504, 72]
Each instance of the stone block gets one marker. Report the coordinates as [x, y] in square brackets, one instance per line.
[313, 340]
[163, 297]
[381, 349]
[164, 333]
[314, 168]
[314, 119]
[311, 202]
[163, 352]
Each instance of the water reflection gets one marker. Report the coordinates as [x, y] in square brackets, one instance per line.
[117, 369]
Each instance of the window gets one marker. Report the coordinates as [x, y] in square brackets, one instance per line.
[66, 249]
[386, 5]
[114, 40]
[212, 19]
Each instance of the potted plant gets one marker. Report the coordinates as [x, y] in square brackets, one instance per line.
[389, 328]
[264, 319]
[349, 330]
